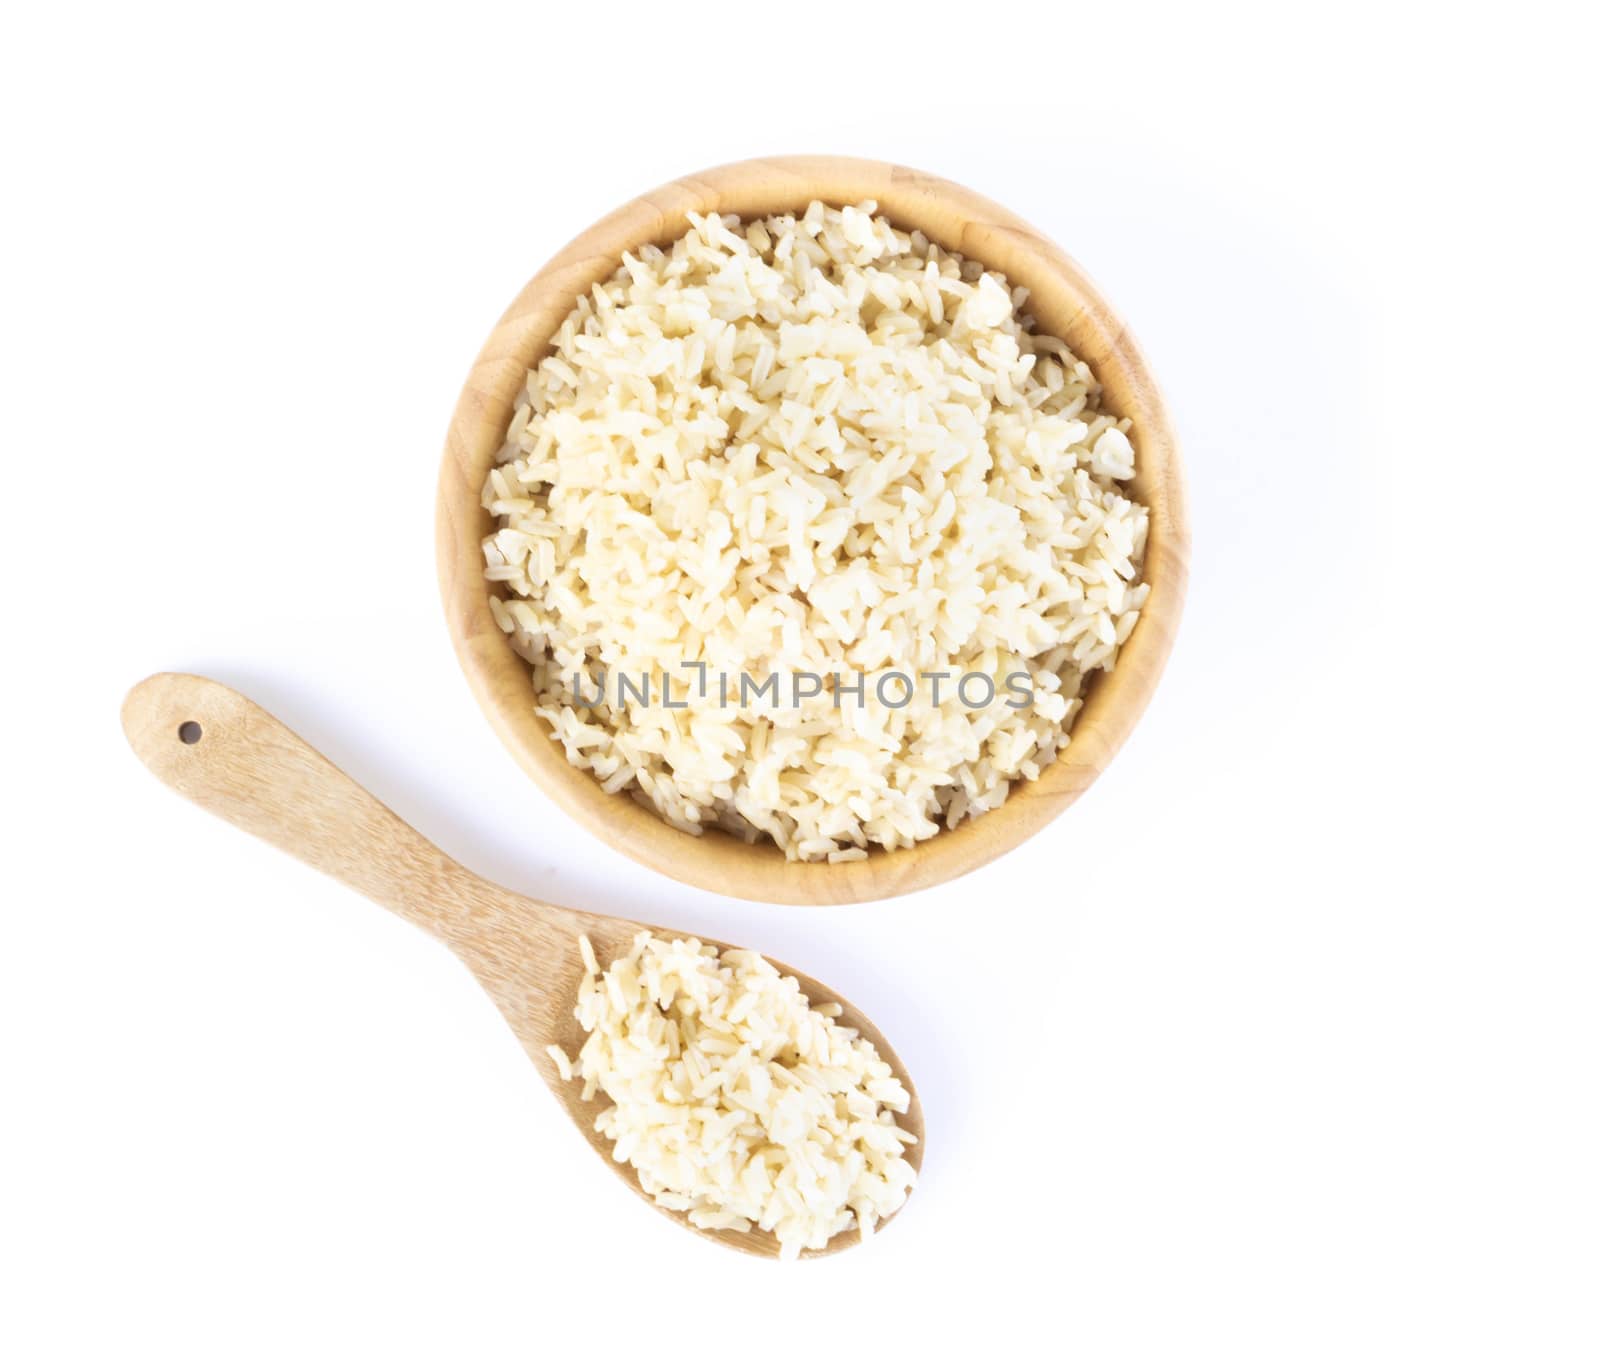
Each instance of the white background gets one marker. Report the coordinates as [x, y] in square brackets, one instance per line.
[1280, 1050]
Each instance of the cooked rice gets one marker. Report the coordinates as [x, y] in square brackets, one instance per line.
[812, 444]
[737, 1101]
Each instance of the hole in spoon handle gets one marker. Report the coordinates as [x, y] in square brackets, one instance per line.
[223, 751]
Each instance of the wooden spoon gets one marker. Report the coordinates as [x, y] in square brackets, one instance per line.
[230, 756]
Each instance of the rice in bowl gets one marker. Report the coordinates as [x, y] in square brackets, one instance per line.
[821, 449]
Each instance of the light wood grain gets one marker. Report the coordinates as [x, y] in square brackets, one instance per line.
[1065, 303]
[254, 772]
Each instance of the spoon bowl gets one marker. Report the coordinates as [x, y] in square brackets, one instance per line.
[228, 755]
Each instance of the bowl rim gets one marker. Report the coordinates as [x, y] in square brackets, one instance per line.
[1063, 300]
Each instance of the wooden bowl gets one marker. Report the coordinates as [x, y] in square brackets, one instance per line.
[1064, 303]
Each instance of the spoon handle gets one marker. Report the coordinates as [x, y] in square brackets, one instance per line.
[228, 755]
